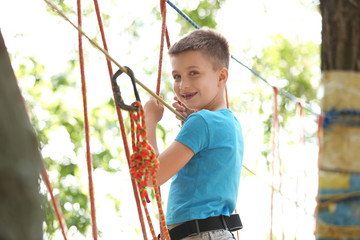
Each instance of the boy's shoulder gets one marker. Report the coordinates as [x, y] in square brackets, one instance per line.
[211, 118]
[224, 112]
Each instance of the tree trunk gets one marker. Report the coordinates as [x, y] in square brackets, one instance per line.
[340, 48]
[339, 182]
[20, 162]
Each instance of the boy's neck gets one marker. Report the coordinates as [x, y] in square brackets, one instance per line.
[214, 108]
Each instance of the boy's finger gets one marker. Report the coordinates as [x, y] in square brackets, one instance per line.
[178, 107]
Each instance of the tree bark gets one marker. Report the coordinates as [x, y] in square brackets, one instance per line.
[20, 162]
[340, 48]
[339, 188]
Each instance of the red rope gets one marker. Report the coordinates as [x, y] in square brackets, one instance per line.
[300, 112]
[163, 31]
[144, 166]
[87, 131]
[275, 133]
[55, 203]
[163, 13]
[121, 122]
[167, 38]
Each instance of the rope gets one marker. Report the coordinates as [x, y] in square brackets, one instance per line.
[120, 119]
[183, 15]
[111, 59]
[286, 94]
[86, 123]
[57, 209]
[144, 165]
[275, 142]
[163, 31]
[102, 32]
[300, 113]
[344, 117]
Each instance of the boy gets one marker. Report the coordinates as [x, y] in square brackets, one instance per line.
[205, 158]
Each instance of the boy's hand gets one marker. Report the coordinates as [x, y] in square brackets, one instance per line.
[181, 108]
[154, 110]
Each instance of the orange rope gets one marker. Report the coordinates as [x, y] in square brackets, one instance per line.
[121, 122]
[163, 31]
[144, 166]
[87, 131]
[163, 13]
[55, 203]
[275, 135]
[300, 112]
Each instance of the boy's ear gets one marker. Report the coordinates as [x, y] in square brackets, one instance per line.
[223, 76]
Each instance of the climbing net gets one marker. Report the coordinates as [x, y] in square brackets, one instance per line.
[138, 158]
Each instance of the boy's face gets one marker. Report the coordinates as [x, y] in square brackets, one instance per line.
[196, 83]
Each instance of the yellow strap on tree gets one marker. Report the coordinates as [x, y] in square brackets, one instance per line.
[333, 231]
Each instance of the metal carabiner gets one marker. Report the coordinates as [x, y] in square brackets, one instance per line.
[117, 92]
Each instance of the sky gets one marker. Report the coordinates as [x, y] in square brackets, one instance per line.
[29, 30]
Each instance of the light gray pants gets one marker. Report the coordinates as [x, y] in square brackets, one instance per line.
[213, 235]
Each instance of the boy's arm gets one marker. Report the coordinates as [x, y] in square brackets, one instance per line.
[151, 135]
[153, 114]
[174, 157]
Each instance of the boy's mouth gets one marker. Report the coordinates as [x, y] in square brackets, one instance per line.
[188, 96]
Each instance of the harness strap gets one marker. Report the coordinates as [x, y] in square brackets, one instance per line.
[195, 227]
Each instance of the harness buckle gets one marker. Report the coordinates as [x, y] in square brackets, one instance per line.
[197, 229]
[223, 220]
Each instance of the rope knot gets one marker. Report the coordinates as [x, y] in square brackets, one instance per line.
[144, 164]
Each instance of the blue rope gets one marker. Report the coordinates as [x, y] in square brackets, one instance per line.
[288, 95]
[183, 14]
[344, 117]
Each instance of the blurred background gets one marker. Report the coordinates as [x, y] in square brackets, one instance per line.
[279, 39]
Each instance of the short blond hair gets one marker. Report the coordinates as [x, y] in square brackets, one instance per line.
[212, 43]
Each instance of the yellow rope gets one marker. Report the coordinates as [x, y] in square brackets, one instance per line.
[50, 4]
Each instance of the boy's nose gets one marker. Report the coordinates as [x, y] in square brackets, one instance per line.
[184, 84]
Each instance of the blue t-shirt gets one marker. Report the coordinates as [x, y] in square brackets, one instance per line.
[208, 184]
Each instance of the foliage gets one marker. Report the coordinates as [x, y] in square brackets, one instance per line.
[54, 116]
[202, 13]
[292, 63]
[292, 66]
[54, 104]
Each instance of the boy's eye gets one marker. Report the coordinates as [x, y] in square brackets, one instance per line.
[176, 76]
[193, 73]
